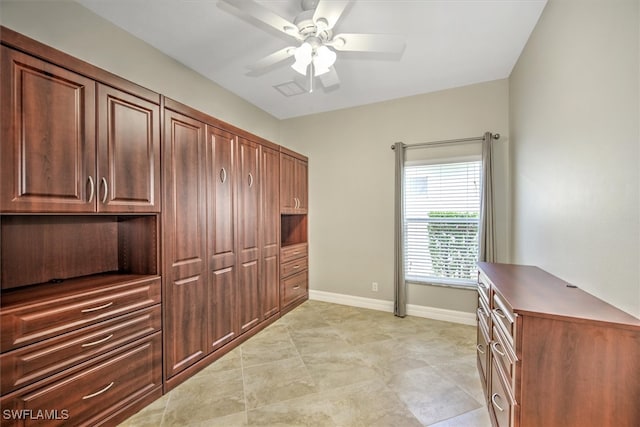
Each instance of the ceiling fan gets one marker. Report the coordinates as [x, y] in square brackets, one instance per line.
[313, 30]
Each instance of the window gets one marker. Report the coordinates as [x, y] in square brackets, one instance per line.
[442, 209]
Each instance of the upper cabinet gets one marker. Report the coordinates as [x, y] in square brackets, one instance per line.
[128, 168]
[293, 183]
[72, 145]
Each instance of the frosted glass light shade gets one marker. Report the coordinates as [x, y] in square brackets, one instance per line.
[303, 55]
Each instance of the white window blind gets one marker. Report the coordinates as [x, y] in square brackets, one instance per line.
[442, 208]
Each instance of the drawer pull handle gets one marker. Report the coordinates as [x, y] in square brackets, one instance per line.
[223, 175]
[91, 344]
[295, 267]
[481, 310]
[99, 392]
[89, 310]
[482, 285]
[480, 348]
[250, 180]
[296, 287]
[499, 312]
[493, 400]
[296, 253]
[495, 347]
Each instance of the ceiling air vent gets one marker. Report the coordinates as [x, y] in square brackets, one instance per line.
[291, 88]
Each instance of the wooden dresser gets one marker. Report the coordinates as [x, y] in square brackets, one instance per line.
[550, 354]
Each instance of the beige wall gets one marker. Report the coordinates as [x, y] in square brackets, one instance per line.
[574, 115]
[351, 183]
[73, 29]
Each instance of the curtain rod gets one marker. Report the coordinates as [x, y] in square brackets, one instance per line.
[447, 141]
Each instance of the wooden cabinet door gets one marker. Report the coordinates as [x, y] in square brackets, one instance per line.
[301, 184]
[185, 233]
[247, 225]
[221, 188]
[48, 137]
[287, 182]
[128, 176]
[270, 231]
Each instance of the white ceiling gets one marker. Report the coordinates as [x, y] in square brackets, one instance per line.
[448, 44]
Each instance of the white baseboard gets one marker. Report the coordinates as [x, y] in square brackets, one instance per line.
[383, 305]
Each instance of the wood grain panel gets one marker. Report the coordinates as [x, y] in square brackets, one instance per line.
[185, 234]
[579, 375]
[128, 152]
[99, 390]
[48, 137]
[270, 231]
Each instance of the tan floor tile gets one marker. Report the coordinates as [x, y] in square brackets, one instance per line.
[277, 381]
[325, 364]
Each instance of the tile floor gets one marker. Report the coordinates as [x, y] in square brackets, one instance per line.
[332, 365]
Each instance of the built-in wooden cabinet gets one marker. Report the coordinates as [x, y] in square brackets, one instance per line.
[554, 355]
[294, 258]
[248, 234]
[140, 239]
[293, 183]
[269, 232]
[51, 158]
[185, 242]
[228, 216]
[221, 237]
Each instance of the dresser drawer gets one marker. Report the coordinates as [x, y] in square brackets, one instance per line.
[501, 402]
[484, 318]
[503, 316]
[483, 287]
[28, 323]
[29, 364]
[294, 287]
[505, 356]
[95, 392]
[293, 267]
[291, 252]
[482, 352]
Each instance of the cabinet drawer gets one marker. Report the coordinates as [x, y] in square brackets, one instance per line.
[503, 316]
[483, 315]
[293, 267]
[29, 323]
[482, 351]
[294, 287]
[505, 356]
[483, 287]
[289, 253]
[500, 401]
[90, 395]
[29, 364]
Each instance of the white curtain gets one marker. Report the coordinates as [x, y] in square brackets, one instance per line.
[400, 287]
[487, 244]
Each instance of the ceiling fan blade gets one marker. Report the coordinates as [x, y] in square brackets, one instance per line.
[330, 79]
[273, 59]
[265, 15]
[330, 11]
[383, 43]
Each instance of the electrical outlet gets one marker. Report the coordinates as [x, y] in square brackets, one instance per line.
[374, 286]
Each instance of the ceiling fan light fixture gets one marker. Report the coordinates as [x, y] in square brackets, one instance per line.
[323, 59]
[303, 55]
